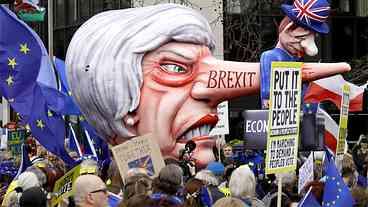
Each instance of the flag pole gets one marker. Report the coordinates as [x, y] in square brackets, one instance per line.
[50, 17]
[279, 190]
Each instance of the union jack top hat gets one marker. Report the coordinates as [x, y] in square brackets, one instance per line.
[310, 14]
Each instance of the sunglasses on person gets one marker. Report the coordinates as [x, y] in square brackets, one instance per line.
[104, 190]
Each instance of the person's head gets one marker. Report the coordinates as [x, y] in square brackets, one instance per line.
[303, 19]
[285, 201]
[169, 180]
[360, 196]
[33, 197]
[241, 175]
[228, 150]
[296, 40]
[150, 70]
[136, 185]
[349, 177]
[90, 191]
[192, 192]
[229, 202]
[139, 200]
[348, 161]
[207, 177]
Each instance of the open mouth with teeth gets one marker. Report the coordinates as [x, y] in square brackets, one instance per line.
[199, 130]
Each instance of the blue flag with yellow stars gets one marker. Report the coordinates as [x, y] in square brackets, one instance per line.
[22, 55]
[336, 193]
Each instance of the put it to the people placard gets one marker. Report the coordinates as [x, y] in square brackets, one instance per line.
[284, 117]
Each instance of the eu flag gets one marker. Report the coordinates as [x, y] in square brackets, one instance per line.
[70, 107]
[100, 145]
[22, 56]
[336, 193]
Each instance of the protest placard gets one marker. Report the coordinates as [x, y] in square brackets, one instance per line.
[139, 152]
[344, 114]
[16, 138]
[284, 117]
[222, 126]
[64, 186]
[4, 138]
[306, 173]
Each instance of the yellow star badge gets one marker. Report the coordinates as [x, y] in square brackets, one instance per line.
[10, 80]
[40, 124]
[24, 48]
[12, 63]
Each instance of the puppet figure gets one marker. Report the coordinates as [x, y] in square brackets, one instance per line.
[297, 31]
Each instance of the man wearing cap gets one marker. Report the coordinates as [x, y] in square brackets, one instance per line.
[297, 31]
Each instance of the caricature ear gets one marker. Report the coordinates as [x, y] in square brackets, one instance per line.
[131, 119]
[288, 27]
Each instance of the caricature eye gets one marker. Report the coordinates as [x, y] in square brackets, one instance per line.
[173, 68]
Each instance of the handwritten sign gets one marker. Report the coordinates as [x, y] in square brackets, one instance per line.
[306, 173]
[344, 114]
[139, 152]
[284, 117]
[222, 126]
[64, 186]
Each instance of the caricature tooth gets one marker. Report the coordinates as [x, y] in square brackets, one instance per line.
[196, 132]
[188, 135]
[203, 130]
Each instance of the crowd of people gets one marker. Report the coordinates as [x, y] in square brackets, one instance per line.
[229, 181]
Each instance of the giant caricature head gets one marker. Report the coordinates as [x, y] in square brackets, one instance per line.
[150, 70]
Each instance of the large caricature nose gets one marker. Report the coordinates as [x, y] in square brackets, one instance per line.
[309, 45]
[223, 80]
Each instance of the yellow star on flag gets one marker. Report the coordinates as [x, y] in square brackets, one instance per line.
[24, 48]
[81, 118]
[39, 123]
[49, 113]
[10, 80]
[12, 63]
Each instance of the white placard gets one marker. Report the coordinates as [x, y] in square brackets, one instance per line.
[306, 173]
[222, 126]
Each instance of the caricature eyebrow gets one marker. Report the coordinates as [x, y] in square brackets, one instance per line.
[303, 35]
[178, 54]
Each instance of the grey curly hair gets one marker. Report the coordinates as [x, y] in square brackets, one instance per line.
[105, 55]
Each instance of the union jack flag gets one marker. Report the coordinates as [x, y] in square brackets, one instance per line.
[311, 10]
